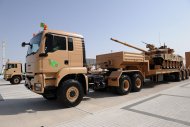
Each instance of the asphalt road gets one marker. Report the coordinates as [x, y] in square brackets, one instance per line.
[21, 107]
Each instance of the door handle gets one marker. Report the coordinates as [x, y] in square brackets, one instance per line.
[66, 62]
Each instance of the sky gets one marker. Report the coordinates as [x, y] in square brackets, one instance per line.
[131, 21]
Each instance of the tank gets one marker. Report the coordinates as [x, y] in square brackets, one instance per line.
[162, 56]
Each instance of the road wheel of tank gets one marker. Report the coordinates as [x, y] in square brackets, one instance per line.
[70, 93]
[15, 80]
[168, 64]
[164, 64]
[174, 64]
[124, 85]
[137, 82]
[178, 76]
[49, 96]
[183, 75]
[177, 65]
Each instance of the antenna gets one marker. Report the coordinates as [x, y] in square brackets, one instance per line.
[3, 49]
[3, 56]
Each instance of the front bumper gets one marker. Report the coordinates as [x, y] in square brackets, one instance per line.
[35, 84]
[7, 77]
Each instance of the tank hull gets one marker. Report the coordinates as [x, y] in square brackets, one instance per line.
[167, 60]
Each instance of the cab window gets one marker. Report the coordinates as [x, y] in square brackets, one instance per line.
[59, 43]
[70, 44]
[12, 66]
[54, 43]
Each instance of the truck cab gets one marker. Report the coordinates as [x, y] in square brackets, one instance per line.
[56, 66]
[13, 72]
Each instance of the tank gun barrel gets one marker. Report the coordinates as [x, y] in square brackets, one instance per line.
[129, 45]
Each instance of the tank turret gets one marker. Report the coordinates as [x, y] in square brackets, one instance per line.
[149, 46]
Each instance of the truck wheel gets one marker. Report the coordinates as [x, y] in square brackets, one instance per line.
[70, 93]
[49, 96]
[124, 85]
[11, 82]
[137, 82]
[178, 76]
[15, 80]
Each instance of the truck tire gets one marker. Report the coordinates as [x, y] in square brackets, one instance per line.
[49, 96]
[137, 82]
[178, 76]
[124, 85]
[15, 80]
[70, 93]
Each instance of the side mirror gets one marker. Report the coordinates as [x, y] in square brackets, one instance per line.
[43, 54]
[23, 44]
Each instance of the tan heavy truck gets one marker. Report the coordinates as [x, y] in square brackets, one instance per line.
[56, 68]
[13, 72]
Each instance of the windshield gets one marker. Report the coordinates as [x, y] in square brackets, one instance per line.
[9, 66]
[34, 44]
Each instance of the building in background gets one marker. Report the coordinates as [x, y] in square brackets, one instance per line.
[90, 62]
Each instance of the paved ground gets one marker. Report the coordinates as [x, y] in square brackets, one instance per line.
[160, 105]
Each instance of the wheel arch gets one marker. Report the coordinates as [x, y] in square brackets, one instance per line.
[114, 77]
[131, 73]
[17, 75]
[82, 78]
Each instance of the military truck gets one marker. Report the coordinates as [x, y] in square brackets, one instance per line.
[13, 72]
[56, 68]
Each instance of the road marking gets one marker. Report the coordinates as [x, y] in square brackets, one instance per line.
[84, 111]
[155, 115]
[185, 85]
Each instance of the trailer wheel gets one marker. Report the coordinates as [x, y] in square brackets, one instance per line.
[70, 93]
[124, 85]
[15, 80]
[178, 76]
[137, 82]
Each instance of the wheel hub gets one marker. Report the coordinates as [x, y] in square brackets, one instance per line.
[138, 83]
[72, 94]
[126, 85]
[16, 80]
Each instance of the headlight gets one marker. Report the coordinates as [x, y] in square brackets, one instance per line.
[37, 87]
[8, 76]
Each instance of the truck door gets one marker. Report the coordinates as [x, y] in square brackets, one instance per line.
[57, 53]
[75, 52]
